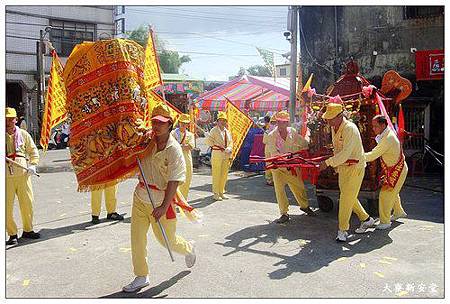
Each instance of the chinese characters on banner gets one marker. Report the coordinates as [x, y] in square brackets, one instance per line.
[152, 74]
[239, 124]
[152, 100]
[55, 101]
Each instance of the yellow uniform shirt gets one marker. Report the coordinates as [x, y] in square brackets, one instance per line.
[388, 149]
[187, 139]
[27, 150]
[347, 145]
[160, 168]
[216, 137]
[293, 143]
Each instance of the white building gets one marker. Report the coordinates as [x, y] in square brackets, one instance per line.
[64, 27]
[283, 70]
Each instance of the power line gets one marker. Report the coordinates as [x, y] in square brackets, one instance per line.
[212, 19]
[219, 14]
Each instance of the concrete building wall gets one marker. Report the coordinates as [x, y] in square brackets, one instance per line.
[23, 26]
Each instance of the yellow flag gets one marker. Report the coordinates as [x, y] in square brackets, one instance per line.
[308, 83]
[55, 101]
[239, 124]
[152, 100]
[152, 72]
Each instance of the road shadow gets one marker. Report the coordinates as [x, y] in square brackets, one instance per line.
[152, 292]
[315, 245]
[48, 234]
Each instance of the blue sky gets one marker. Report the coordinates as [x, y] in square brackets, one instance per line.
[219, 39]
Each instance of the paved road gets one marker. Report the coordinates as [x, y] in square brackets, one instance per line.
[241, 253]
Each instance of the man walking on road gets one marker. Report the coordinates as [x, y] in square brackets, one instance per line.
[395, 170]
[20, 147]
[219, 138]
[164, 168]
[281, 140]
[349, 163]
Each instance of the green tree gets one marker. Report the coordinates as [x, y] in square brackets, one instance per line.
[169, 61]
[259, 70]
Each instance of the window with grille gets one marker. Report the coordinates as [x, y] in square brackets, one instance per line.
[414, 12]
[119, 10]
[65, 35]
[283, 72]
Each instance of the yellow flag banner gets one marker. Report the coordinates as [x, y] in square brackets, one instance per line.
[152, 100]
[152, 72]
[55, 101]
[239, 124]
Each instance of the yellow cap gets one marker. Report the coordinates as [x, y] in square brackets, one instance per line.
[161, 112]
[333, 110]
[184, 118]
[11, 113]
[282, 116]
[222, 115]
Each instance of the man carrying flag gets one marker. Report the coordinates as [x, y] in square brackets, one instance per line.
[221, 141]
[164, 168]
[281, 140]
[186, 139]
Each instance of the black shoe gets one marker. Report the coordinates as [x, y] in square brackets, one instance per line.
[114, 216]
[12, 240]
[283, 219]
[308, 211]
[31, 235]
[95, 220]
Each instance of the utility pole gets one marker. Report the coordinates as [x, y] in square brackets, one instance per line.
[41, 80]
[299, 70]
[293, 67]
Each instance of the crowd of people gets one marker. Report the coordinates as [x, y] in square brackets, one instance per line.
[167, 164]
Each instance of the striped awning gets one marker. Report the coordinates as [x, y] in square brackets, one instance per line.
[271, 101]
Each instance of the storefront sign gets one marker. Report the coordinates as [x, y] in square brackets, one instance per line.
[430, 65]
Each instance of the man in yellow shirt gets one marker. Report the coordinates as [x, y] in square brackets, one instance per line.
[219, 138]
[110, 202]
[349, 163]
[394, 168]
[281, 140]
[164, 167]
[270, 127]
[19, 147]
[186, 139]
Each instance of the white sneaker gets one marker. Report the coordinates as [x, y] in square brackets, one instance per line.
[341, 236]
[190, 258]
[399, 216]
[138, 283]
[383, 226]
[364, 225]
[223, 196]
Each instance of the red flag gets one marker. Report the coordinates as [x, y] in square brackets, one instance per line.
[401, 124]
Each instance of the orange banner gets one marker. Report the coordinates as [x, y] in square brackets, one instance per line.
[55, 101]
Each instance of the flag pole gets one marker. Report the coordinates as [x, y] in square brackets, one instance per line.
[141, 170]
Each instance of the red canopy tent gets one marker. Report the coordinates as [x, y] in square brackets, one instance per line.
[247, 92]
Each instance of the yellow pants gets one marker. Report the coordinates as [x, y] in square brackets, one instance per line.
[110, 200]
[269, 176]
[220, 165]
[281, 178]
[390, 199]
[350, 180]
[184, 188]
[20, 185]
[141, 219]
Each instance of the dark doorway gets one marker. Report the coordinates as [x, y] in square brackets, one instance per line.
[14, 97]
